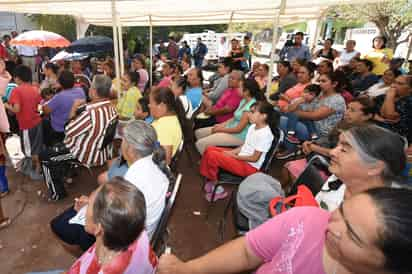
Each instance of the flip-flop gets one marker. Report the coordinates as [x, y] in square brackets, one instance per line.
[5, 223]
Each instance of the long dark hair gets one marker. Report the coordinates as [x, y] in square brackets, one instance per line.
[134, 77]
[254, 90]
[181, 82]
[272, 116]
[395, 231]
[337, 77]
[165, 95]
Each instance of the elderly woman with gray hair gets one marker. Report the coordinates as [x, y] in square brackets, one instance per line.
[116, 217]
[359, 162]
[147, 171]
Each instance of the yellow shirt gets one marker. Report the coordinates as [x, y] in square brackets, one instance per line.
[127, 103]
[168, 131]
[274, 87]
[375, 56]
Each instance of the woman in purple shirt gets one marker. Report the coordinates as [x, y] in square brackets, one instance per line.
[59, 108]
[369, 233]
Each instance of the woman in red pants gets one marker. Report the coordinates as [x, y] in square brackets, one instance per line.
[246, 159]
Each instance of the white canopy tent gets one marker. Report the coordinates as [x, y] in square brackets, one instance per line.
[118, 13]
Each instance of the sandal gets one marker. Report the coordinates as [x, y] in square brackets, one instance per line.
[5, 223]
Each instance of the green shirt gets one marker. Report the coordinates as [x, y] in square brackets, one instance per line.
[243, 106]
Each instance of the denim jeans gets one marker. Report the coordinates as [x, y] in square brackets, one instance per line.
[301, 132]
[293, 119]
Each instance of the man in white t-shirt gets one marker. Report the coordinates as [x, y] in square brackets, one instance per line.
[28, 57]
[222, 48]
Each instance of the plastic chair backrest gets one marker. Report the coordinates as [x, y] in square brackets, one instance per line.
[272, 151]
[162, 225]
[176, 157]
[310, 177]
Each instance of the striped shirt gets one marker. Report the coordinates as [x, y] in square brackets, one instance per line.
[85, 133]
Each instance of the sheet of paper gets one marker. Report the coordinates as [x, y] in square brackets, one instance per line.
[80, 217]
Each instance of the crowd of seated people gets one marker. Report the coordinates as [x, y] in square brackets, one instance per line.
[352, 109]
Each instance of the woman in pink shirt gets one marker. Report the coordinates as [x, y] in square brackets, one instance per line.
[304, 77]
[168, 69]
[369, 233]
[139, 65]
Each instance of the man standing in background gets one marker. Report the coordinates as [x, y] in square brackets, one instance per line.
[172, 49]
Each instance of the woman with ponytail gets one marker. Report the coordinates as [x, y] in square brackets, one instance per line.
[169, 117]
[247, 158]
[148, 171]
[178, 87]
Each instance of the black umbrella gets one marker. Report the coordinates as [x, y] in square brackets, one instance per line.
[92, 44]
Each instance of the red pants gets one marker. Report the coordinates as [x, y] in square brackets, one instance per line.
[214, 159]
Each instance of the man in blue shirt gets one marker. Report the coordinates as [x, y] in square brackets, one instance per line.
[295, 51]
[199, 53]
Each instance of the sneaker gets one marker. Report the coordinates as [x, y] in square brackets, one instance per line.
[209, 186]
[293, 140]
[218, 196]
[35, 176]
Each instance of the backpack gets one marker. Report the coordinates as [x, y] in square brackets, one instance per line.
[304, 197]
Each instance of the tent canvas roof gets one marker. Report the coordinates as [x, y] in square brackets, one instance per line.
[176, 12]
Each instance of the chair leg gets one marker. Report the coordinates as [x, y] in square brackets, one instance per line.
[189, 155]
[212, 200]
[222, 222]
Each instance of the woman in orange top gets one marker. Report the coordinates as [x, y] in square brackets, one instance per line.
[304, 77]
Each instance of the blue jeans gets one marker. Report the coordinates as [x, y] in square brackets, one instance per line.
[198, 62]
[293, 120]
[301, 132]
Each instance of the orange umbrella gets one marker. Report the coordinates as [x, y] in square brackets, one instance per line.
[40, 38]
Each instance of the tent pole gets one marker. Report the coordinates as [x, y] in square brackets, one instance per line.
[116, 48]
[316, 37]
[408, 54]
[276, 22]
[229, 26]
[121, 55]
[151, 50]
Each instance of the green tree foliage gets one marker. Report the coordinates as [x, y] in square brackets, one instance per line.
[62, 24]
[391, 17]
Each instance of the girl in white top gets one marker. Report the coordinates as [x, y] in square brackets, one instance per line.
[246, 159]
[348, 53]
[362, 161]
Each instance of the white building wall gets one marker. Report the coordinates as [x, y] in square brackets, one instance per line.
[15, 22]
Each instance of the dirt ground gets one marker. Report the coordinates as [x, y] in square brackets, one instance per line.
[29, 245]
